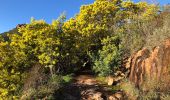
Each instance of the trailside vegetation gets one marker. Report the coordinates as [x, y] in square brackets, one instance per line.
[101, 36]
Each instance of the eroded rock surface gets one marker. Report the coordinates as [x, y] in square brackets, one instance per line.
[149, 64]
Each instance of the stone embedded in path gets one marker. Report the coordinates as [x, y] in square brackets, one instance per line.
[116, 96]
[110, 80]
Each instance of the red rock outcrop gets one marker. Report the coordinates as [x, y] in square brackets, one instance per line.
[149, 65]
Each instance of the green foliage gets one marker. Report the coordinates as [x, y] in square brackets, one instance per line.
[101, 79]
[130, 90]
[36, 42]
[109, 29]
[109, 58]
[11, 74]
[67, 78]
[160, 34]
[40, 40]
[132, 37]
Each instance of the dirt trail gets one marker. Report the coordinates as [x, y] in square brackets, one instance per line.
[90, 88]
[85, 80]
[86, 87]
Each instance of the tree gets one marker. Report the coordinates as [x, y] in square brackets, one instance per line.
[40, 42]
[104, 18]
[11, 71]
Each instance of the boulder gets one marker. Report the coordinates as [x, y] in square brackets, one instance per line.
[147, 64]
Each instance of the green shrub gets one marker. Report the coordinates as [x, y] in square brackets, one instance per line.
[159, 34]
[109, 58]
[67, 78]
[130, 90]
[101, 79]
[149, 90]
[45, 90]
[28, 94]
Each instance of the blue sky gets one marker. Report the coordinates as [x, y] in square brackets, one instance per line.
[13, 12]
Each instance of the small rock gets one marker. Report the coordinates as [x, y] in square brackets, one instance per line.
[112, 98]
[118, 95]
[97, 96]
[122, 74]
[110, 80]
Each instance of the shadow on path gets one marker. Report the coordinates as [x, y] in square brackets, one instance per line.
[84, 87]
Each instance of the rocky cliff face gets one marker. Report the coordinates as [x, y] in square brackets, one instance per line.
[147, 64]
